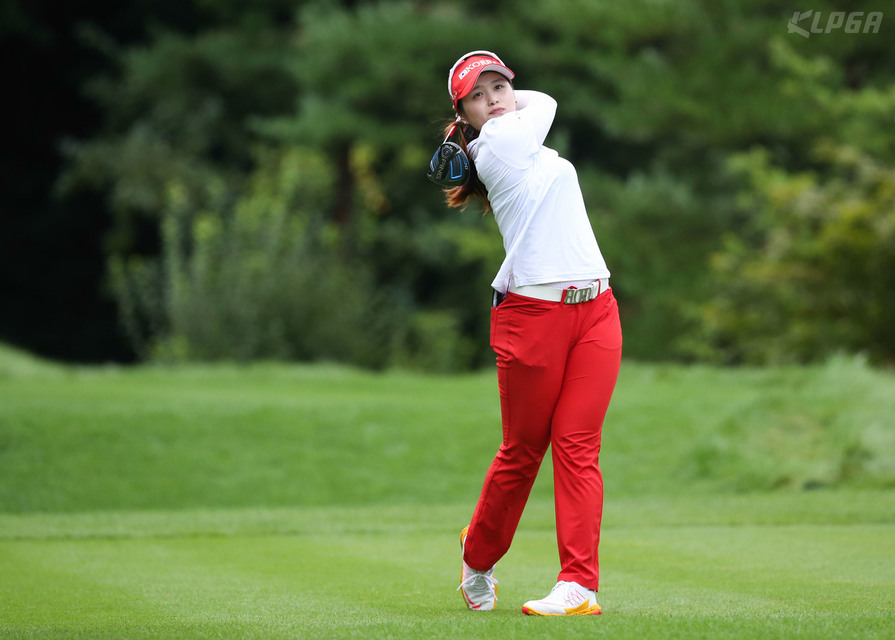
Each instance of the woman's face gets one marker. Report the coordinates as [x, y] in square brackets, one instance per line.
[491, 97]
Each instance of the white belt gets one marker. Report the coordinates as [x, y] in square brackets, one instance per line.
[568, 296]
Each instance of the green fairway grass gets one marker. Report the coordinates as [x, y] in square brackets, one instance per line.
[736, 567]
[278, 501]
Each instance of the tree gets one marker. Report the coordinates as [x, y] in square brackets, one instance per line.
[657, 101]
[815, 274]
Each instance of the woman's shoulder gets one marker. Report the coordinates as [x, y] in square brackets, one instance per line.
[533, 116]
[505, 142]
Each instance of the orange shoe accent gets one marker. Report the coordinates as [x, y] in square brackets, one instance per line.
[582, 610]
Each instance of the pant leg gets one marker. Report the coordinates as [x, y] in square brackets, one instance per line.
[590, 377]
[530, 338]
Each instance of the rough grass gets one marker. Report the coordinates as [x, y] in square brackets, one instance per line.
[276, 435]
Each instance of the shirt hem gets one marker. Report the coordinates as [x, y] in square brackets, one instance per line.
[502, 287]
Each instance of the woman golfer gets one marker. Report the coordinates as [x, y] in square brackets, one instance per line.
[554, 328]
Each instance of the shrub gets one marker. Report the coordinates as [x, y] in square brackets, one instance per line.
[263, 278]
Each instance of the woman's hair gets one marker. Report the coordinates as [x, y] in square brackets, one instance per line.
[460, 196]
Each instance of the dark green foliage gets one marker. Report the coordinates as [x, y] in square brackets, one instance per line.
[815, 271]
[720, 155]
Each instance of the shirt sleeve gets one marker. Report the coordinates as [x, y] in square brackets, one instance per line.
[538, 109]
[518, 135]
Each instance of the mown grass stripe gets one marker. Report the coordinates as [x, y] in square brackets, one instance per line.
[735, 581]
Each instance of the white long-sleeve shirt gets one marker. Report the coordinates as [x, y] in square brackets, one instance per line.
[536, 199]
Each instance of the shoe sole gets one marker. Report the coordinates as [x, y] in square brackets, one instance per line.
[590, 611]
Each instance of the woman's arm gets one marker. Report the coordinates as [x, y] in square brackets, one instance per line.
[517, 136]
[538, 109]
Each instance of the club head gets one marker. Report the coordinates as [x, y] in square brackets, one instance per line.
[449, 166]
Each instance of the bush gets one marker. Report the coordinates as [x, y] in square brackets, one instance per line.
[265, 278]
[814, 273]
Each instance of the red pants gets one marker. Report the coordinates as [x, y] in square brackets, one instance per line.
[557, 365]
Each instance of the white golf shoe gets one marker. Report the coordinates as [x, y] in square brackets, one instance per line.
[566, 599]
[479, 588]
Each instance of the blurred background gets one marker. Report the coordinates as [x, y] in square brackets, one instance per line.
[201, 180]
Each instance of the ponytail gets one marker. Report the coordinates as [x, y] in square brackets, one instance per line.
[460, 196]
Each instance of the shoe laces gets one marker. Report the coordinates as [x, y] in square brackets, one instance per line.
[562, 592]
[479, 582]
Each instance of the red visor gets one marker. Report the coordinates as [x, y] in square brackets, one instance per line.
[468, 68]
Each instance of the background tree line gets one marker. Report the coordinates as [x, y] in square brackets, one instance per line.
[247, 180]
